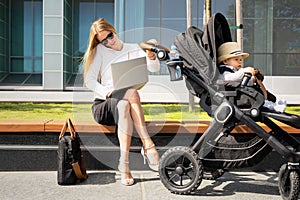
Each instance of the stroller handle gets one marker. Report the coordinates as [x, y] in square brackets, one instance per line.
[161, 51]
[153, 47]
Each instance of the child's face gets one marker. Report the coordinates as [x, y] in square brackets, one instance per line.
[235, 62]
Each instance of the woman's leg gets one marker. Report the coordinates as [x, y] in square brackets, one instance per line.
[139, 121]
[125, 128]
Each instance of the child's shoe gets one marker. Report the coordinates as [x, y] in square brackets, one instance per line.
[280, 106]
[269, 104]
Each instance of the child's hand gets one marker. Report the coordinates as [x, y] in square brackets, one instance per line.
[259, 75]
[250, 70]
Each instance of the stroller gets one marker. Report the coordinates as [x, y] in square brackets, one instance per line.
[183, 168]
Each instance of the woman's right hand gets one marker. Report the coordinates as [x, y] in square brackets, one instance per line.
[151, 55]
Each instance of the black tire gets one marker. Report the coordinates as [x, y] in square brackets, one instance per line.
[288, 183]
[213, 174]
[180, 170]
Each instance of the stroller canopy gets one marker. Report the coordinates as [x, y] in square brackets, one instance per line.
[199, 48]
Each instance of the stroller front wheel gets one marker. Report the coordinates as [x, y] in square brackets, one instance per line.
[288, 182]
[180, 170]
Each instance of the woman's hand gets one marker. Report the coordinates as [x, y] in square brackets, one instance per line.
[151, 55]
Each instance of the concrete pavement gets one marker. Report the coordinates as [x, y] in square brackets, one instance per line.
[105, 185]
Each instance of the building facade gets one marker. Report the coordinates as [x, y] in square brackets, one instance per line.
[42, 43]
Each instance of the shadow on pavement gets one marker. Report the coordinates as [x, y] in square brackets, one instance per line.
[139, 180]
[239, 183]
[100, 178]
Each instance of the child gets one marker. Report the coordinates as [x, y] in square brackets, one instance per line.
[230, 58]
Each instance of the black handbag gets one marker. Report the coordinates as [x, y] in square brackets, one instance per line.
[71, 167]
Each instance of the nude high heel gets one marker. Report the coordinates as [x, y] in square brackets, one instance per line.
[123, 168]
[152, 161]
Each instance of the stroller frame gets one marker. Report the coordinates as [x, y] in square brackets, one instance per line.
[183, 168]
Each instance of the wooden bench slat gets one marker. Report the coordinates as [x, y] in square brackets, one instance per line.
[21, 125]
[153, 127]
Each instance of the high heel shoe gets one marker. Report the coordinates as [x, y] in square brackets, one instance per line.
[153, 163]
[123, 168]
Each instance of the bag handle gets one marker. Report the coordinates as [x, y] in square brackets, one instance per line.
[80, 171]
[68, 124]
[72, 129]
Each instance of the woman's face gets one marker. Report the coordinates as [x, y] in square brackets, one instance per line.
[109, 40]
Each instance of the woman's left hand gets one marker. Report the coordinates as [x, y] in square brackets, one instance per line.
[151, 55]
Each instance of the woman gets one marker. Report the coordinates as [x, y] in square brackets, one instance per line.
[117, 107]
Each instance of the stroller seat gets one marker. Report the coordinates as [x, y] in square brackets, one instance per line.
[247, 99]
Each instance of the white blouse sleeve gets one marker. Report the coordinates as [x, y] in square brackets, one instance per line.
[92, 77]
[153, 65]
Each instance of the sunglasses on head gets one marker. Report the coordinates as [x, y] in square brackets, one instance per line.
[108, 37]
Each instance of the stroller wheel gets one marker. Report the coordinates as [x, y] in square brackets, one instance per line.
[288, 182]
[180, 170]
[212, 174]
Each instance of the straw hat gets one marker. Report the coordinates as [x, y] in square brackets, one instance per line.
[230, 50]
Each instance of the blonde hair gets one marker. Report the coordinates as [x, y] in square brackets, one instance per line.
[97, 26]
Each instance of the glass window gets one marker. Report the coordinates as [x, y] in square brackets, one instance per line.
[4, 21]
[286, 38]
[257, 33]
[26, 34]
[85, 12]
[25, 42]
[162, 19]
[271, 36]
[173, 17]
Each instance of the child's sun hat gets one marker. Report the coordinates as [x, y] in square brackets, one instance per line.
[230, 50]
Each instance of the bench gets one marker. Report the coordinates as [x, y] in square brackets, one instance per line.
[153, 127]
[32, 144]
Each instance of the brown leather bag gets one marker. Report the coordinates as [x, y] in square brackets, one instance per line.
[71, 165]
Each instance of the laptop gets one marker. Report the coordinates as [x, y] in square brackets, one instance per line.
[130, 73]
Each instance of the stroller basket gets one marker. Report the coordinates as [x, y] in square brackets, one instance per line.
[229, 153]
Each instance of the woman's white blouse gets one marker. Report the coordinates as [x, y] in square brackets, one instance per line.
[99, 77]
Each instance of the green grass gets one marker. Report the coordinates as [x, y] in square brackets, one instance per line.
[46, 111]
[173, 112]
[35, 110]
